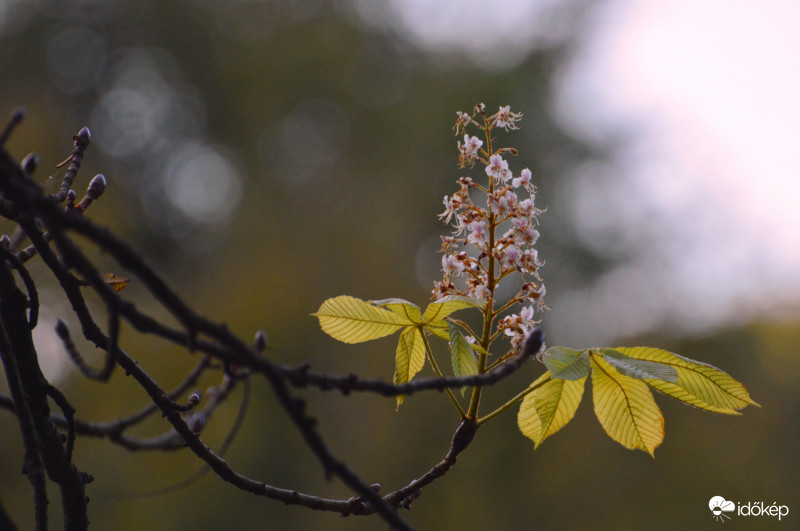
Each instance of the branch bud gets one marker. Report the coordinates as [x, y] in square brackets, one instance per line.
[30, 162]
[62, 329]
[97, 186]
[260, 341]
[84, 136]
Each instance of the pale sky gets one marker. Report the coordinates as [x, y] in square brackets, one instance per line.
[713, 88]
[709, 176]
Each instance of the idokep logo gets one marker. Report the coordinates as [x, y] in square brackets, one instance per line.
[722, 509]
[719, 506]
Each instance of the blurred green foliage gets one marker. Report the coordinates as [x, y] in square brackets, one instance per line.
[363, 222]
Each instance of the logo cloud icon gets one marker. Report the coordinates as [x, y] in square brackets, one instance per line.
[719, 505]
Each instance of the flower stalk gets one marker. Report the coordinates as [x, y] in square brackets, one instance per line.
[491, 256]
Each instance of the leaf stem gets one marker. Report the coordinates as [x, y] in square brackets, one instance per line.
[502, 359]
[429, 353]
[463, 325]
[511, 402]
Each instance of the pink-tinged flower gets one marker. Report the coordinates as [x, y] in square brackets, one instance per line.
[537, 294]
[479, 290]
[462, 122]
[530, 260]
[477, 235]
[462, 222]
[448, 242]
[466, 183]
[526, 316]
[526, 207]
[508, 201]
[468, 152]
[503, 203]
[519, 223]
[473, 143]
[539, 297]
[527, 235]
[451, 265]
[511, 257]
[524, 179]
[444, 288]
[449, 210]
[507, 119]
[498, 169]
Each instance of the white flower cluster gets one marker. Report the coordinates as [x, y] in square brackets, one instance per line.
[498, 240]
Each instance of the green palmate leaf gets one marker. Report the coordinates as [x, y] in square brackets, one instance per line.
[549, 408]
[697, 384]
[461, 355]
[679, 393]
[403, 308]
[566, 363]
[409, 358]
[440, 309]
[352, 320]
[625, 407]
[636, 368]
[439, 328]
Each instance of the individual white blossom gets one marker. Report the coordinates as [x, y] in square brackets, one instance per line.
[527, 235]
[473, 144]
[477, 235]
[498, 169]
[451, 265]
[526, 208]
[502, 202]
[449, 209]
[524, 180]
[507, 119]
[530, 261]
[477, 288]
[526, 316]
[511, 256]
[468, 152]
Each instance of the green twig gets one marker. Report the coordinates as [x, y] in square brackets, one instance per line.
[429, 353]
[514, 400]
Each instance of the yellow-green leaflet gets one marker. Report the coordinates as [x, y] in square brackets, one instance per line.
[549, 408]
[401, 307]
[462, 357]
[625, 408]
[409, 358]
[439, 328]
[566, 363]
[446, 305]
[697, 384]
[352, 320]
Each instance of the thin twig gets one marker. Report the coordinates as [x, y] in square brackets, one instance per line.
[17, 115]
[82, 140]
[30, 285]
[223, 448]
